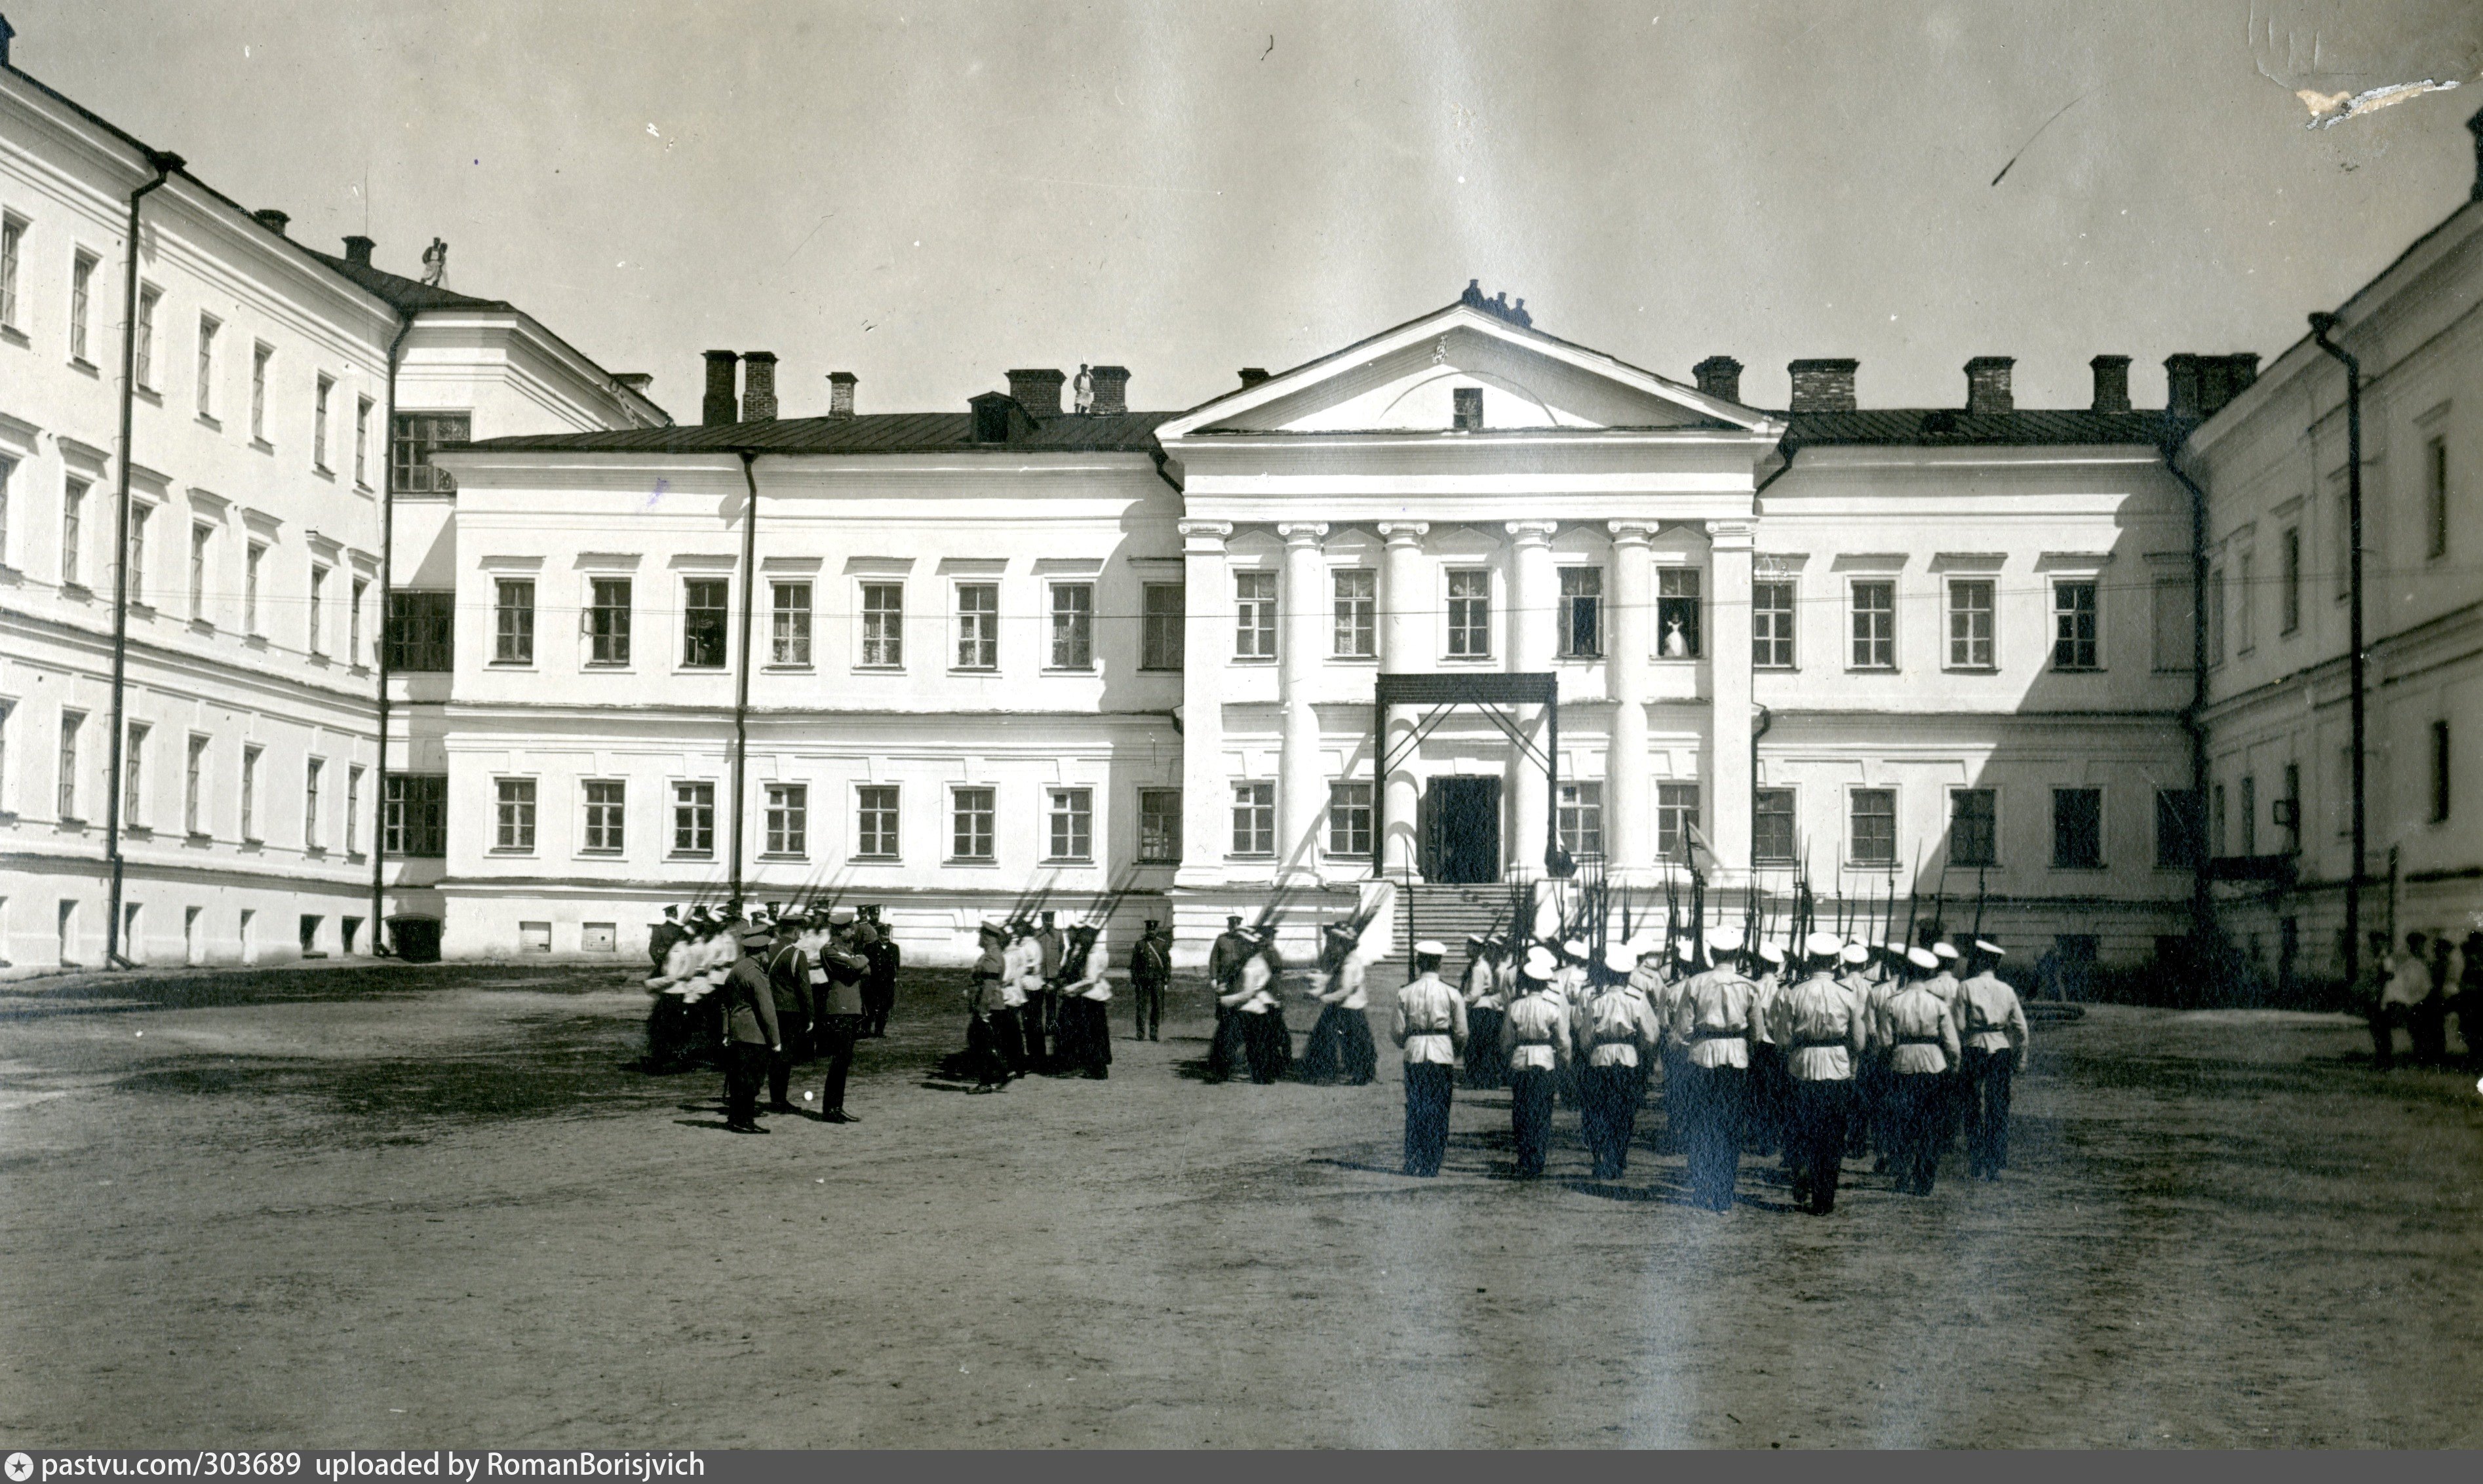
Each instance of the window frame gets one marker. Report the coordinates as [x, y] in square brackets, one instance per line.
[1676, 605]
[2434, 497]
[693, 834]
[1348, 820]
[133, 773]
[1854, 856]
[1353, 630]
[413, 437]
[1883, 620]
[413, 816]
[72, 554]
[969, 827]
[1150, 826]
[252, 754]
[314, 770]
[1581, 595]
[1261, 806]
[1073, 622]
[323, 395]
[879, 630]
[194, 784]
[69, 758]
[1254, 616]
[513, 623]
[979, 627]
[210, 326]
[607, 627]
[1068, 820]
[2289, 561]
[1681, 810]
[1791, 814]
[603, 823]
[12, 254]
[514, 801]
[420, 632]
[790, 625]
[868, 810]
[1990, 858]
[784, 822]
[262, 359]
[82, 266]
[706, 624]
[1163, 632]
[2092, 617]
[1955, 590]
[1469, 635]
[1578, 819]
[2102, 857]
[1781, 627]
[150, 297]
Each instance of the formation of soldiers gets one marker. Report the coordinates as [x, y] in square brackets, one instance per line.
[1037, 999]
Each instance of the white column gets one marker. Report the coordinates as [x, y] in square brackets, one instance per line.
[1301, 771]
[1205, 655]
[1406, 632]
[1533, 588]
[1727, 794]
[1629, 817]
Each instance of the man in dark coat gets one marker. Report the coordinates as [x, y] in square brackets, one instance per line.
[750, 1030]
[661, 937]
[836, 991]
[879, 981]
[1150, 972]
[1233, 948]
[789, 981]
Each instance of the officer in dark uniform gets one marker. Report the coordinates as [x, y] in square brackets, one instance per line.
[1233, 947]
[1150, 972]
[879, 981]
[835, 984]
[661, 937]
[789, 982]
[750, 1030]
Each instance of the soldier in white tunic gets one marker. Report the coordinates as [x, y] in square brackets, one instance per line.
[1430, 1022]
[1717, 1017]
[1534, 1037]
[1615, 1033]
[1993, 1033]
[1914, 1025]
[1821, 1026]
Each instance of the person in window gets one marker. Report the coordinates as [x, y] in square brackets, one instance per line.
[1676, 644]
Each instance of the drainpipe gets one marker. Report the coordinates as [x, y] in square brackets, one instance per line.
[2320, 325]
[2194, 716]
[163, 161]
[741, 679]
[387, 556]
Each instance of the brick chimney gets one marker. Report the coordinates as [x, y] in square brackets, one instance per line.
[357, 250]
[758, 385]
[1252, 375]
[1986, 385]
[2111, 384]
[1720, 376]
[719, 406]
[1037, 391]
[1112, 390]
[840, 393]
[1823, 385]
[272, 218]
[2199, 385]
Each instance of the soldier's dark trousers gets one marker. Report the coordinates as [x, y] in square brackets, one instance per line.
[878, 1000]
[1988, 1076]
[1529, 1117]
[1915, 1111]
[984, 1058]
[1864, 1108]
[1610, 1116]
[1008, 1032]
[1268, 1045]
[836, 1036]
[1148, 998]
[1815, 1141]
[1034, 1023]
[1676, 1100]
[1428, 1089]
[1224, 1047]
[2384, 1019]
[780, 1070]
[1486, 1066]
[1714, 1100]
[1323, 1054]
[1771, 1091]
[2427, 1031]
[745, 1072]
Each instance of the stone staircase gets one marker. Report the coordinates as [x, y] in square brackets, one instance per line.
[1447, 913]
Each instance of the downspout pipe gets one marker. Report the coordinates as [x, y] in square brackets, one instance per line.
[163, 161]
[388, 557]
[2320, 325]
[2194, 716]
[741, 678]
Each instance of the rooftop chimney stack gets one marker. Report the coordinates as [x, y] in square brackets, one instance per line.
[1037, 391]
[1986, 386]
[272, 218]
[1720, 376]
[2198, 387]
[758, 385]
[719, 406]
[840, 393]
[357, 250]
[1252, 375]
[1112, 390]
[2111, 384]
[1823, 385]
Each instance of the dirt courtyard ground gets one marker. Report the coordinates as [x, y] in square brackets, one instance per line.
[394, 1206]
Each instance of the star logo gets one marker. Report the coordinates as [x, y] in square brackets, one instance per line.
[20, 1469]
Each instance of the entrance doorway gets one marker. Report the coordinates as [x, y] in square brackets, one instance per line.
[1462, 830]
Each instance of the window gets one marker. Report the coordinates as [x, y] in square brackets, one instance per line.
[2289, 547]
[354, 621]
[138, 515]
[2440, 768]
[7, 468]
[1676, 820]
[883, 625]
[319, 599]
[513, 804]
[693, 819]
[1357, 613]
[1771, 626]
[1349, 820]
[1582, 612]
[1069, 824]
[1676, 612]
[1073, 625]
[1466, 408]
[979, 625]
[313, 772]
[1162, 627]
[250, 756]
[1874, 625]
[194, 770]
[1969, 624]
[1873, 826]
[414, 815]
[12, 243]
[259, 356]
[705, 623]
[1254, 614]
[1160, 825]
[71, 723]
[2077, 829]
[81, 295]
[607, 622]
[363, 442]
[133, 777]
[2250, 816]
[208, 328]
[875, 821]
[789, 819]
[606, 808]
[319, 423]
[2173, 637]
[1254, 819]
[2435, 499]
[1470, 613]
[971, 813]
[422, 631]
[512, 621]
[1772, 827]
[145, 337]
[413, 438]
[2215, 616]
[2073, 623]
[1582, 820]
[2176, 830]
[1973, 826]
[789, 632]
[353, 812]
[2290, 807]
[2245, 605]
[251, 565]
[2217, 821]
[72, 532]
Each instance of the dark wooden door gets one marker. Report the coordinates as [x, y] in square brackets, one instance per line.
[1462, 830]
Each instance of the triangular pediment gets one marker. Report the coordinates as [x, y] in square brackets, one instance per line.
[1409, 380]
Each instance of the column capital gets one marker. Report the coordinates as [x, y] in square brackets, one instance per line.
[1632, 532]
[1301, 533]
[1731, 534]
[1403, 533]
[1204, 535]
[1531, 533]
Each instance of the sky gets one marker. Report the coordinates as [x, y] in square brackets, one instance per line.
[927, 195]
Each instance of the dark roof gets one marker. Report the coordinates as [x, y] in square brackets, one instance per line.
[408, 295]
[879, 433]
[1948, 428]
